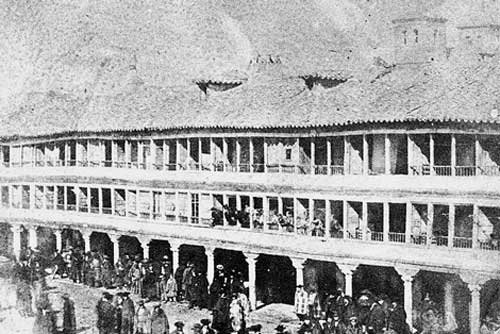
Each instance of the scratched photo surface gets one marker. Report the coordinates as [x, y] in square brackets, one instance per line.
[265, 166]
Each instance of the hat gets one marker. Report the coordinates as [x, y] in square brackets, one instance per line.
[220, 267]
[165, 257]
[65, 295]
[205, 322]
[179, 324]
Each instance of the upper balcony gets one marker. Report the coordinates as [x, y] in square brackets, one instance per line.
[390, 153]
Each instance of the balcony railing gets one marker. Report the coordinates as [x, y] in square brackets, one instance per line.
[465, 170]
[397, 237]
[443, 170]
[440, 240]
[376, 236]
[462, 242]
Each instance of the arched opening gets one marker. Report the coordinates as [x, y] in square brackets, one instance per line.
[158, 249]
[276, 279]
[322, 276]
[46, 242]
[129, 245]
[100, 243]
[195, 255]
[6, 246]
[379, 281]
[72, 238]
[233, 262]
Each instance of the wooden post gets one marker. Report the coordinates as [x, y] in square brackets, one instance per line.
[225, 156]
[329, 155]
[328, 218]
[365, 155]
[431, 154]
[346, 156]
[451, 225]
[409, 144]
[430, 222]
[477, 155]
[386, 221]
[387, 154]
[265, 154]
[100, 199]
[89, 199]
[238, 154]
[212, 154]
[453, 154]
[250, 153]
[113, 204]
[364, 219]
[313, 156]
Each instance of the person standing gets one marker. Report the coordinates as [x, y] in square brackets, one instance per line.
[128, 313]
[159, 320]
[376, 319]
[301, 302]
[106, 313]
[179, 328]
[141, 319]
[69, 317]
[221, 320]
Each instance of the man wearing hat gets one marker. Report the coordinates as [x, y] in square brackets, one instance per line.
[159, 320]
[376, 319]
[128, 313]
[106, 313]
[354, 327]
[301, 302]
[69, 318]
[336, 326]
[179, 328]
[141, 319]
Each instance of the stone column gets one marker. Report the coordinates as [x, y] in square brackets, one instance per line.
[209, 252]
[474, 282]
[144, 240]
[58, 234]
[16, 240]
[251, 259]
[348, 271]
[86, 240]
[32, 238]
[174, 248]
[407, 275]
[115, 239]
[448, 298]
[386, 221]
[298, 263]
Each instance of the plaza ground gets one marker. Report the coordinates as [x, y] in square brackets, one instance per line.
[85, 299]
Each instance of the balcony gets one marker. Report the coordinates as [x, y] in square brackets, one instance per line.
[275, 241]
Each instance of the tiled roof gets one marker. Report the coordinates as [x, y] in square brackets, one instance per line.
[103, 69]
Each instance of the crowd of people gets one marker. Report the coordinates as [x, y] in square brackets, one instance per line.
[255, 218]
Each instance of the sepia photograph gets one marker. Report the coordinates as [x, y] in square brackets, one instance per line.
[250, 166]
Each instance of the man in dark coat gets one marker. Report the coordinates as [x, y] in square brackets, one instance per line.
[221, 321]
[376, 319]
[105, 314]
[397, 319]
[128, 312]
[179, 273]
[76, 266]
[69, 318]
[159, 321]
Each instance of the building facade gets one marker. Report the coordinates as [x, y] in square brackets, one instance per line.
[387, 179]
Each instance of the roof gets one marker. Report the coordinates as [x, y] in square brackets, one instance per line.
[133, 65]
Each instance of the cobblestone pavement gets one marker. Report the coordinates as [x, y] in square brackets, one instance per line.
[85, 299]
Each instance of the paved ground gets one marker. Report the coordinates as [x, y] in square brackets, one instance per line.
[85, 299]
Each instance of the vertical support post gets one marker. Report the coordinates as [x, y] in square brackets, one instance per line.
[328, 217]
[409, 221]
[265, 213]
[475, 226]
[311, 210]
[86, 240]
[77, 197]
[175, 248]
[386, 221]
[212, 154]
[387, 154]
[280, 205]
[364, 219]
[58, 235]
[16, 240]
[329, 156]
[475, 308]
[225, 155]
[295, 213]
[100, 199]
[365, 155]
[409, 148]
[477, 155]
[431, 154]
[238, 154]
[200, 154]
[252, 278]
[298, 263]
[251, 153]
[451, 225]
[89, 199]
[113, 204]
[430, 222]
[32, 237]
[345, 218]
[453, 154]
[177, 154]
[65, 197]
[115, 239]
[188, 149]
[177, 206]
[348, 271]
[266, 149]
[151, 204]
[209, 252]
[313, 155]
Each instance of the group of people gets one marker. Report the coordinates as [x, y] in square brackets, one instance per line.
[255, 218]
[337, 313]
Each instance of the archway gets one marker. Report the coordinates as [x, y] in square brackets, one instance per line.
[233, 261]
[72, 238]
[195, 255]
[276, 279]
[100, 243]
[130, 245]
[158, 249]
[6, 246]
[378, 280]
[323, 276]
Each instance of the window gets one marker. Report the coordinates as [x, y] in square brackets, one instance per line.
[288, 154]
